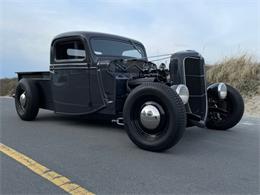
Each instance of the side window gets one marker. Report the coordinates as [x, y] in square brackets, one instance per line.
[72, 50]
[132, 53]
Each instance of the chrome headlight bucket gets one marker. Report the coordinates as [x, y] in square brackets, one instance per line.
[182, 91]
[222, 90]
[218, 90]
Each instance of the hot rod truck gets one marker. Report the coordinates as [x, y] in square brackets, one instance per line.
[103, 75]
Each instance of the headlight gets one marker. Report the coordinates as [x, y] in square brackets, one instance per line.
[222, 91]
[182, 91]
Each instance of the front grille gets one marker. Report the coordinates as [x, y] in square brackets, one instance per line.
[196, 85]
[195, 81]
[193, 66]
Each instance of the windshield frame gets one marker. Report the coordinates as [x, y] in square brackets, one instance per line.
[129, 41]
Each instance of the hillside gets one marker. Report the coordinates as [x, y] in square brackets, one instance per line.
[242, 72]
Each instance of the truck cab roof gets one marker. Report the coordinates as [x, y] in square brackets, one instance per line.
[89, 34]
[97, 46]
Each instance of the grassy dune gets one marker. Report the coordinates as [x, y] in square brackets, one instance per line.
[7, 86]
[242, 72]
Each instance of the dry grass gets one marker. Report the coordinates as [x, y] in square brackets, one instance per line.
[242, 72]
[7, 86]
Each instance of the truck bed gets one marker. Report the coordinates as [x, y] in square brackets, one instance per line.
[43, 82]
[37, 75]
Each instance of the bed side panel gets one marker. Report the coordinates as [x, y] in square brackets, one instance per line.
[43, 83]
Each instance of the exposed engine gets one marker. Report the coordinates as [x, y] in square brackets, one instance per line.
[140, 69]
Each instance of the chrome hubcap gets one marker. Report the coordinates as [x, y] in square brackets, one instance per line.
[22, 99]
[150, 117]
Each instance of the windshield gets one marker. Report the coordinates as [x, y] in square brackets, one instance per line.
[105, 47]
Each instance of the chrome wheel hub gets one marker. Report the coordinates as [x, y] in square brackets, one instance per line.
[22, 99]
[150, 117]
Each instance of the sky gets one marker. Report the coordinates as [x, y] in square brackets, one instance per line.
[215, 28]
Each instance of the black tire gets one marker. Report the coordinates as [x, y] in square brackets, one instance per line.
[173, 119]
[234, 106]
[30, 110]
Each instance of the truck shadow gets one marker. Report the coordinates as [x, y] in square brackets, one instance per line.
[193, 140]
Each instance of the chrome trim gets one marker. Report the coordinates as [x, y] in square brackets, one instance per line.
[118, 121]
[69, 64]
[22, 99]
[71, 68]
[70, 60]
[150, 117]
[220, 88]
[217, 89]
[178, 88]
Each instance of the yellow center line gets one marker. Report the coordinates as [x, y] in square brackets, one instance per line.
[55, 178]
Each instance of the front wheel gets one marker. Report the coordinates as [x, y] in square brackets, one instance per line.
[225, 114]
[154, 117]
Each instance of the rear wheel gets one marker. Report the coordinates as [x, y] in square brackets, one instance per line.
[27, 100]
[225, 114]
[154, 117]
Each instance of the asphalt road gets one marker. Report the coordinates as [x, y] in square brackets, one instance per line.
[101, 158]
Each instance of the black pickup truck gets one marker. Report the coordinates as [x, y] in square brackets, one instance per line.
[107, 76]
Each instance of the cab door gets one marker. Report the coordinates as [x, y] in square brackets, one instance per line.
[75, 85]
